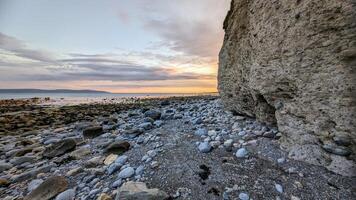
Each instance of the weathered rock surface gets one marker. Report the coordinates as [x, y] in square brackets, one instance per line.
[138, 190]
[60, 148]
[292, 63]
[48, 189]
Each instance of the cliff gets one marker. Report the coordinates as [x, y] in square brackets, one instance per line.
[293, 64]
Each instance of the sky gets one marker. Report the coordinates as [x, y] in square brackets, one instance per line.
[122, 46]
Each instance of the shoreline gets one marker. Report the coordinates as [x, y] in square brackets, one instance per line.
[184, 147]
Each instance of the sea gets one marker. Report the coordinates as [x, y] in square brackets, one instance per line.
[78, 98]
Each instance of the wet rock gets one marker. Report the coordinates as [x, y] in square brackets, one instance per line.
[337, 150]
[48, 189]
[93, 132]
[241, 153]
[154, 114]
[342, 140]
[204, 147]
[139, 190]
[66, 195]
[127, 173]
[60, 148]
[118, 147]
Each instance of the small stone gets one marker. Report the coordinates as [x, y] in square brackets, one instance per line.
[228, 143]
[139, 170]
[244, 196]
[113, 168]
[126, 173]
[110, 159]
[4, 182]
[146, 125]
[279, 188]
[342, 140]
[75, 171]
[93, 132]
[117, 183]
[23, 159]
[48, 189]
[281, 160]
[204, 147]
[5, 166]
[93, 162]
[121, 160]
[201, 132]
[66, 195]
[241, 153]
[154, 164]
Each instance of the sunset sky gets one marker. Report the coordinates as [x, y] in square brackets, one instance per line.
[126, 46]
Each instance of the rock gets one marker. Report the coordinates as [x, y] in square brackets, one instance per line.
[110, 159]
[204, 147]
[48, 189]
[104, 196]
[5, 166]
[23, 159]
[121, 160]
[80, 153]
[139, 170]
[154, 164]
[4, 182]
[114, 167]
[197, 121]
[93, 132]
[241, 153]
[34, 184]
[132, 133]
[244, 196]
[118, 147]
[60, 148]
[165, 103]
[146, 125]
[117, 183]
[279, 188]
[337, 150]
[254, 81]
[342, 140]
[32, 173]
[281, 160]
[158, 123]
[75, 171]
[93, 162]
[139, 190]
[154, 114]
[228, 143]
[127, 173]
[201, 131]
[66, 195]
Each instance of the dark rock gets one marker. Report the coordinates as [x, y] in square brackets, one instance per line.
[92, 132]
[342, 140]
[4, 182]
[153, 114]
[165, 103]
[118, 147]
[60, 148]
[337, 150]
[132, 133]
[48, 189]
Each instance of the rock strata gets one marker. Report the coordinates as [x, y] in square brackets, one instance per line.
[292, 64]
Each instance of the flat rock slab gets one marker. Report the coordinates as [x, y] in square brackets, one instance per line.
[48, 189]
[60, 148]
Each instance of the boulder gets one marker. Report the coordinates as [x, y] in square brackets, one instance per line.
[291, 64]
[118, 147]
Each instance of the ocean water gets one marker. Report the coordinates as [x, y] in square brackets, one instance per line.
[77, 98]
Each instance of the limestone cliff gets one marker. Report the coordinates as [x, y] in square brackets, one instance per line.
[293, 64]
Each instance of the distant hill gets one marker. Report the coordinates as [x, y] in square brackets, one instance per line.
[48, 91]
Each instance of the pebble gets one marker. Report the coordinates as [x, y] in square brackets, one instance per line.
[121, 159]
[279, 188]
[281, 160]
[126, 173]
[204, 147]
[201, 132]
[241, 153]
[244, 196]
[117, 183]
[34, 184]
[110, 159]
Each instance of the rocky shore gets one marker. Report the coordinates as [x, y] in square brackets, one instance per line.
[175, 148]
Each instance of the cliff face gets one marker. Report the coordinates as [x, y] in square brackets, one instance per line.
[293, 64]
